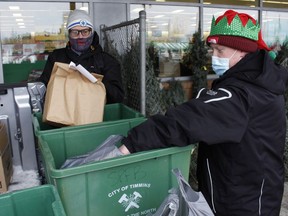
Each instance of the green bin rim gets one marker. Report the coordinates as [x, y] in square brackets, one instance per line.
[39, 132]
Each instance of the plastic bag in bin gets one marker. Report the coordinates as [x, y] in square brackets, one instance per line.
[106, 150]
[183, 201]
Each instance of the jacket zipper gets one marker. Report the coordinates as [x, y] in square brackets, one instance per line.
[260, 197]
[211, 185]
[212, 191]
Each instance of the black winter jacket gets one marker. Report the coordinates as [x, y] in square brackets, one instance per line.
[240, 125]
[94, 60]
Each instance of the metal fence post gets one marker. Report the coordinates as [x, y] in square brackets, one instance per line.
[142, 15]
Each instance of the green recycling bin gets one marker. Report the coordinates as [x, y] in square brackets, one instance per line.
[113, 113]
[134, 184]
[36, 201]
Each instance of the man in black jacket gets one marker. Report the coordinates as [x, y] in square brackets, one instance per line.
[84, 48]
[240, 123]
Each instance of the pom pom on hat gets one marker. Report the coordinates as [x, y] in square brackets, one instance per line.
[237, 30]
[79, 18]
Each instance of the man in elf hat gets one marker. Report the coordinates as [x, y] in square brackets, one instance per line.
[83, 48]
[240, 33]
[240, 123]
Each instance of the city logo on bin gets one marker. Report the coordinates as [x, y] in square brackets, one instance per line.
[129, 197]
[130, 201]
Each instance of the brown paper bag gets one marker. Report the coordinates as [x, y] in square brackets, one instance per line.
[71, 99]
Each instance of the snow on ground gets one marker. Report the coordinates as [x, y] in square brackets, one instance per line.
[23, 179]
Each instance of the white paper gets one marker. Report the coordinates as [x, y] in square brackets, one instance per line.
[83, 71]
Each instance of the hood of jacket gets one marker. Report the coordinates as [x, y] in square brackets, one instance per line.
[259, 69]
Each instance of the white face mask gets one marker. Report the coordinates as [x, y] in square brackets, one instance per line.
[221, 65]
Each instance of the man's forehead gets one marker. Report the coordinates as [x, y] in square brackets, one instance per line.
[216, 46]
[80, 28]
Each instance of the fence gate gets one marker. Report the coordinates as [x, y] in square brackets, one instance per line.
[126, 42]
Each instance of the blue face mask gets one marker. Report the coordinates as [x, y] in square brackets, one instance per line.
[221, 65]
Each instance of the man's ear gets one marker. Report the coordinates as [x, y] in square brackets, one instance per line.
[243, 53]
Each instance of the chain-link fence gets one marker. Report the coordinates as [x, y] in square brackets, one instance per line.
[126, 42]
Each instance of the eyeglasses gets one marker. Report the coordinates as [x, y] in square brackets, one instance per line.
[75, 33]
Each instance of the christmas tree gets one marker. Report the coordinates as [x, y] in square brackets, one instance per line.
[195, 60]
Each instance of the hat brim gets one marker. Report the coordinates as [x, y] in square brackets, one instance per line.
[235, 42]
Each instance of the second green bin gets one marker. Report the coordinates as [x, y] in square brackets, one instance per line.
[129, 185]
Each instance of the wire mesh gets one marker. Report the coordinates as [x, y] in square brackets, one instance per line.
[126, 42]
[122, 42]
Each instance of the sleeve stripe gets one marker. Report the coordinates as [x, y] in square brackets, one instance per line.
[229, 95]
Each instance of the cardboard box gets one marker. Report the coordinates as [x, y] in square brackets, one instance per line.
[6, 164]
[6, 169]
[4, 140]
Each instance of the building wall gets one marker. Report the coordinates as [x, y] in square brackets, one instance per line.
[273, 18]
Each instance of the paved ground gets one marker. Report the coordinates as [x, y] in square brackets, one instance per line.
[284, 209]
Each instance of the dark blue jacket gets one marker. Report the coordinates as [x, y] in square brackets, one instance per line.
[240, 125]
